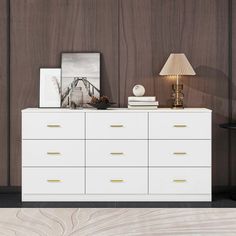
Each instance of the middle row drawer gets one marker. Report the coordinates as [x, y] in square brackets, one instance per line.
[116, 153]
[72, 153]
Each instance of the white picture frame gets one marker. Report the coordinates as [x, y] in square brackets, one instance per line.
[50, 88]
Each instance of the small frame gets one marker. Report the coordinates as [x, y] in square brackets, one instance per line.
[50, 87]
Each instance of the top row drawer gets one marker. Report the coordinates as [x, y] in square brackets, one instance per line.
[140, 125]
[53, 126]
[72, 126]
[117, 125]
[180, 125]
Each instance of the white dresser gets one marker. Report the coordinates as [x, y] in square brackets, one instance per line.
[116, 155]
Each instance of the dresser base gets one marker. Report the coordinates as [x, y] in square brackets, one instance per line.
[116, 198]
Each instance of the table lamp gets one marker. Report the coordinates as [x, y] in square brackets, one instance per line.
[177, 65]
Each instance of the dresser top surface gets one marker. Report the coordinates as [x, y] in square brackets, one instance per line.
[114, 110]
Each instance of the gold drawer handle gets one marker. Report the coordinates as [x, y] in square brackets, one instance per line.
[116, 126]
[53, 153]
[180, 126]
[53, 126]
[180, 153]
[179, 180]
[54, 180]
[117, 180]
[117, 153]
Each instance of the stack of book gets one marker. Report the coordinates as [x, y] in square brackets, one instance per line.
[145, 102]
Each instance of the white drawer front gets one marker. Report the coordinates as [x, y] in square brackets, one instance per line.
[180, 126]
[53, 180]
[53, 126]
[117, 153]
[53, 152]
[180, 152]
[180, 180]
[116, 180]
[116, 126]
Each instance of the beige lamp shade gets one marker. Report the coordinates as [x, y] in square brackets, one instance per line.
[177, 64]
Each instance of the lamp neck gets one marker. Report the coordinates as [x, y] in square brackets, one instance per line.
[177, 80]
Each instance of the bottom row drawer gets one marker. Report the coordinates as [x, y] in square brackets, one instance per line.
[116, 180]
[53, 181]
[72, 180]
[161, 180]
[180, 180]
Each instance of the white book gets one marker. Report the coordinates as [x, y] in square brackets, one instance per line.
[142, 99]
[156, 103]
[142, 107]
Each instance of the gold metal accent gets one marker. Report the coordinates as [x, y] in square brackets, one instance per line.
[180, 126]
[177, 95]
[54, 180]
[53, 126]
[117, 153]
[180, 153]
[117, 180]
[179, 180]
[53, 153]
[116, 126]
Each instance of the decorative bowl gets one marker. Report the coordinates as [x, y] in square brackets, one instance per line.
[102, 105]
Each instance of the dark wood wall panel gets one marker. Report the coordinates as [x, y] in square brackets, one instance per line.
[4, 119]
[40, 31]
[150, 30]
[234, 60]
[205, 41]
[135, 47]
[135, 38]
[233, 89]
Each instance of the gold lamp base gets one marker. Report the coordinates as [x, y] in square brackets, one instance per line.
[177, 96]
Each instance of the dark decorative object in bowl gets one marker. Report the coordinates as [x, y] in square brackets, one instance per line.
[101, 103]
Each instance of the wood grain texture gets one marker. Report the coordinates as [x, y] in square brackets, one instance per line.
[4, 119]
[152, 29]
[233, 89]
[234, 59]
[134, 44]
[41, 30]
[205, 41]
[109, 222]
[135, 47]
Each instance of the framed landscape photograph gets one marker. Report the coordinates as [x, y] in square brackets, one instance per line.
[50, 83]
[80, 70]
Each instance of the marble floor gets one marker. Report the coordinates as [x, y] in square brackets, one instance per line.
[117, 221]
[116, 218]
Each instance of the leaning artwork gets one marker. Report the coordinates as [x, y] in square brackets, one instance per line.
[80, 70]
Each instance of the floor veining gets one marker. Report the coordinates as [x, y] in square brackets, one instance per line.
[116, 222]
